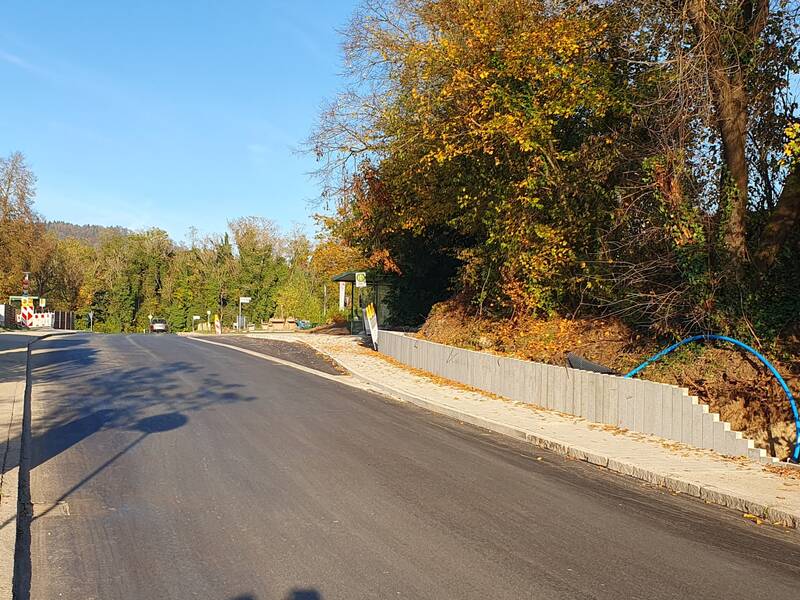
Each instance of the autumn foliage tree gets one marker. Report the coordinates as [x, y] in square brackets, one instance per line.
[569, 156]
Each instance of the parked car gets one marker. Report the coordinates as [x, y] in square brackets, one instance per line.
[159, 326]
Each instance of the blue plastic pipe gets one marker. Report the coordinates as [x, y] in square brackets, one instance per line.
[754, 352]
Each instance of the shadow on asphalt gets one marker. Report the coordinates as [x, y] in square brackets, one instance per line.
[296, 594]
[12, 365]
[12, 356]
[291, 351]
[148, 399]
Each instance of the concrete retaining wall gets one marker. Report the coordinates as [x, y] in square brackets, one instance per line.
[644, 406]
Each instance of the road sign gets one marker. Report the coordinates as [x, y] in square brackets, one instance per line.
[217, 325]
[27, 311]
[372, 322]
[42, 302]
[244, 299]
[361, 279]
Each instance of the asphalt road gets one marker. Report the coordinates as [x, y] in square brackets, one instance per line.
[166, 468]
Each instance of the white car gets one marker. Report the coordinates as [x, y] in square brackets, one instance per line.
[159, 326]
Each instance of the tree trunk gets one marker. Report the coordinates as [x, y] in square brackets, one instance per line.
[730, 103]
[783, 220]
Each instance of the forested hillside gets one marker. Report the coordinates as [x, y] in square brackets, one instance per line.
[91, 234]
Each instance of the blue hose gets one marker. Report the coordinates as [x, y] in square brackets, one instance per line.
[709, 336]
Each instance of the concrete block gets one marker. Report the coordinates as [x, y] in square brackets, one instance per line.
[563, 388]
[590, 398]
[695, 434]
[577, 393]
[599, 398]
[528, 383]
[533, 383]
[558, 388]
[678, 399]
[544, 385]
[652, 408]
[666, 414]
[612, 401]
[739, 445]
[586, 394]
[541, 379]
[525, 383]
[507, 376]
[603, 408]
[721, 431]
[708, 429]
[627, 388]
[515, 383]
[688, 416]
[569, 391]
[639, 404]
[552, 382]
[544, 379]
[647, 416]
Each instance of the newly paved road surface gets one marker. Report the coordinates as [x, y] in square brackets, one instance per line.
[166, 468]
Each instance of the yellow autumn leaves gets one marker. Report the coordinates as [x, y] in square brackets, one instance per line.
[792, 148]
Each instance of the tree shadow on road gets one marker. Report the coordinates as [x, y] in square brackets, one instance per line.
[295, 594]
[83, 398]
[13, 354]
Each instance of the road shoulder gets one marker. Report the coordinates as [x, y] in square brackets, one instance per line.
[741, 485]
[763, 494]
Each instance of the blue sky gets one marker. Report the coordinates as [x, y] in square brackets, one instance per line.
[169, 114]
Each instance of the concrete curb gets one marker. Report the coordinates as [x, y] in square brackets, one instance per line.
[670, 482]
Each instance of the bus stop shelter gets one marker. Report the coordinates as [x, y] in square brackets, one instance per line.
[374, 292]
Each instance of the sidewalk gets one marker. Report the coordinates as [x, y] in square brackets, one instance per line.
[12, 389]
[771, 493]
[13, 355]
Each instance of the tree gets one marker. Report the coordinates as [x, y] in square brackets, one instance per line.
[261, 267]
[616, 158]
[20, 227]
[480, 131]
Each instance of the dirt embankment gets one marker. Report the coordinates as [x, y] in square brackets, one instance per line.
[732, 382]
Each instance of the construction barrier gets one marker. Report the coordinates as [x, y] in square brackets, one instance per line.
[59, 319]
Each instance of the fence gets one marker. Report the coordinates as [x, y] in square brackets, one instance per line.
[637, 405]
[8, 315]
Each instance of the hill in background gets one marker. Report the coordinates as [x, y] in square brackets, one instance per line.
[91, 234]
